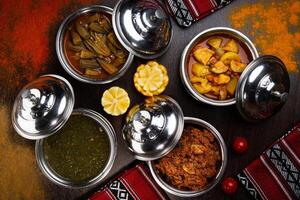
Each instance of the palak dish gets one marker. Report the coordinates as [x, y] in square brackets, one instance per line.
[193, 163]
[79, 151]
[92, 48]
[215, 66]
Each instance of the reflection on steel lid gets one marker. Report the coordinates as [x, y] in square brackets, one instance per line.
[262, 89]
[153, 128]
[42, 107]
[143, 27]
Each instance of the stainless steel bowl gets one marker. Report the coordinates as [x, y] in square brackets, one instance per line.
[202, 36]
[56, 178]
[61, 52]
[181, 193]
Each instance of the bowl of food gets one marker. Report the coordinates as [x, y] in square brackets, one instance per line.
[196, 164]
[88, 49]
[81, 153]
[213, 62]
[74, 148]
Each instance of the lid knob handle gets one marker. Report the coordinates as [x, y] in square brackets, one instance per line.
[31, 98]
[141, 119]
[152, 18]
[36, 103]
[147, 20]
[146, 124]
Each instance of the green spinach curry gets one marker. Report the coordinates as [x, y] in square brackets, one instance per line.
[79, 151]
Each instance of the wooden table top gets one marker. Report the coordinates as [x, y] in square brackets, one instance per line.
[20, 177]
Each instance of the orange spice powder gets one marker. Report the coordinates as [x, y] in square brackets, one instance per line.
[274, 27]
[28, 39]
[27, 43]
[20, 176]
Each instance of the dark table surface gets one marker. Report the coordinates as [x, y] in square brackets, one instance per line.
[226, 119]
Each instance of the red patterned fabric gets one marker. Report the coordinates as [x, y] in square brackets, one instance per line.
[134, 184]
[200, 8]
[186, 12]
[276, 173]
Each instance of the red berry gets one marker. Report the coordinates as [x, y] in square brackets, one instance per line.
[229, 185]
[240, 144]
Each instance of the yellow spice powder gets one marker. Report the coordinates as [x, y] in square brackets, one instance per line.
[19, 176]
[274, 26]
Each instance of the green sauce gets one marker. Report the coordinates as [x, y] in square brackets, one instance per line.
[79, 151]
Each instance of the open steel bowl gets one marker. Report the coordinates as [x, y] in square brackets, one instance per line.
[56, 178]
[223, 150]
[200, 37]
[60, 50]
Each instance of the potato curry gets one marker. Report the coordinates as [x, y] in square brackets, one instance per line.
[215, 66]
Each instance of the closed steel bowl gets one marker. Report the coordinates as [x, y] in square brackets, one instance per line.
[56, 178]
[200, 37]
[223, 150]
[60, 49]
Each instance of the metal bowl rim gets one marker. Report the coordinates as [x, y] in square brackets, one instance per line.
[59, 43]
[204, 34]
[55, 178]
[211, 185]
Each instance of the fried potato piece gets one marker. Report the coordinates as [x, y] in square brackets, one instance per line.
[212, 60]
[196, 79]
[215, 42]
[220, 52]
[229, 56]
[200, 70]
[237, 66]
[231, 86]
[215, 90]
[210, 77]
[231, 46]
[219, 68]
[223, 93]
[203, 55]
[222, 79]
[202, 88]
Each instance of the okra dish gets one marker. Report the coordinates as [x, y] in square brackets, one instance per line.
[215, 65]
[92, 48]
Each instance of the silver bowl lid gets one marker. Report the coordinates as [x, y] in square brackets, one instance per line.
[42, 107]
[153, 128]
[262, 88]
[143, 27]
